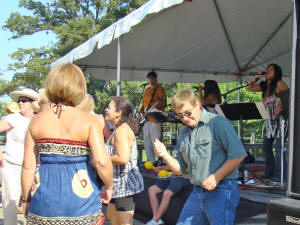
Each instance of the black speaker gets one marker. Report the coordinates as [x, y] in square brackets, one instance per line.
[294, 119]
[283, 211]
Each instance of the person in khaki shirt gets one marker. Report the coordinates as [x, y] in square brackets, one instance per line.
[154, 98]
[212, 152]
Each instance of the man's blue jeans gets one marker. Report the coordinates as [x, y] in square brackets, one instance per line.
[215, 207]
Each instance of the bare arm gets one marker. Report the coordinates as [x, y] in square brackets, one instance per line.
[4, 126]
[29, 165]
[161, 151]
[100, 157]
[122, 142]
[1, 159]
[280, 86]
[106, 131]
[201, 97]
[254, 87]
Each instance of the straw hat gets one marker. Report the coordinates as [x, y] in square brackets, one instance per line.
[13, 107]
[26, 92]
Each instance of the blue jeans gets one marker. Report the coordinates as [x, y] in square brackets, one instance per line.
[215, 207]
[273, 164]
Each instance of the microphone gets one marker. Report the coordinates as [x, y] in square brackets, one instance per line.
[143, 85]
[255, 73]
[197, 88]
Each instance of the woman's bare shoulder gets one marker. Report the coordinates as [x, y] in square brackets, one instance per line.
[70, 117]
[124, 130]
[41, 116]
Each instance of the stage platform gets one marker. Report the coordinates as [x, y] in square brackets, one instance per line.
[255, 193]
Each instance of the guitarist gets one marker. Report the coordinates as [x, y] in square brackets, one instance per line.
[154, 97]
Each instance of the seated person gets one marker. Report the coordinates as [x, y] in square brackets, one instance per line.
[209, 95]
[169, 188]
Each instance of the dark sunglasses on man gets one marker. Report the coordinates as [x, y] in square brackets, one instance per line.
[185, 114]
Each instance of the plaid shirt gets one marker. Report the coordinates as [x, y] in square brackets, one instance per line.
[160, 94]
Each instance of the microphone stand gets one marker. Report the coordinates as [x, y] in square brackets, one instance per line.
[242, 169]
[235, 89]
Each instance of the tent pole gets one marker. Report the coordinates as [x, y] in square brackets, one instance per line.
[240, 122]
[118, 68]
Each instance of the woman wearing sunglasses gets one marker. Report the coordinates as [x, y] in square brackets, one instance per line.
[11, 160]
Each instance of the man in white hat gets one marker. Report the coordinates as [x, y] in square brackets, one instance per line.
[15, 125]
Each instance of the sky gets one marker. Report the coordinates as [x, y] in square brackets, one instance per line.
[10, 46]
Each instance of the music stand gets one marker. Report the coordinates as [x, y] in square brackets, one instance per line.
[243, 111]
[157, 115]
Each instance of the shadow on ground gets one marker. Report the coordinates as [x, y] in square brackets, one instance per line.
[20, 222]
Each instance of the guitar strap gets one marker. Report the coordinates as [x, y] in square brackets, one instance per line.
[153, 94]
[151, 100]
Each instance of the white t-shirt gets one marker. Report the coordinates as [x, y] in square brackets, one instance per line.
[15, 138]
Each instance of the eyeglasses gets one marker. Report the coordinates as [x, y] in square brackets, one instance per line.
[23, 100]
[185, 114]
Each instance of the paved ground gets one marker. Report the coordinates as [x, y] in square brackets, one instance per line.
[252, 208]
[249, 212]
[21, 219]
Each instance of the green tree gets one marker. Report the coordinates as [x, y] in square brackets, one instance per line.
[72, 21]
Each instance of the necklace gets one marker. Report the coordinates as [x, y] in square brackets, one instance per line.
[59, 108]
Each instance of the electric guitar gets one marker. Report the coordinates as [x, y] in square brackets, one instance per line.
[142, 119]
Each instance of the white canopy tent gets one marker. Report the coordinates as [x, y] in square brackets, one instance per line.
[191, 41]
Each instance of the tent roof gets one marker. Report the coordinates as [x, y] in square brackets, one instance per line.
[191, 41]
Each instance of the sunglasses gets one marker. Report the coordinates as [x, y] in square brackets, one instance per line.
[185, 114]
[23, 100]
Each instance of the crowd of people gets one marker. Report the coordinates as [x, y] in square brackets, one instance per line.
[86, 160]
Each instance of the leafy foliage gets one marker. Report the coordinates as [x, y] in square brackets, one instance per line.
[73, 22]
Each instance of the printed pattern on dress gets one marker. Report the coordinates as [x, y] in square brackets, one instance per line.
[63, 149]
[92, 219]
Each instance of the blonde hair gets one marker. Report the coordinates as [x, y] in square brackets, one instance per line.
[179, 99]
[36, 107]
[65, 84]
[42, 103]
[87, 104]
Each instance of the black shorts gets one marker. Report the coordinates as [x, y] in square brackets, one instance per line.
[124, 204]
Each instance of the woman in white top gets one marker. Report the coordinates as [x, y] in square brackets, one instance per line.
[15, 125]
